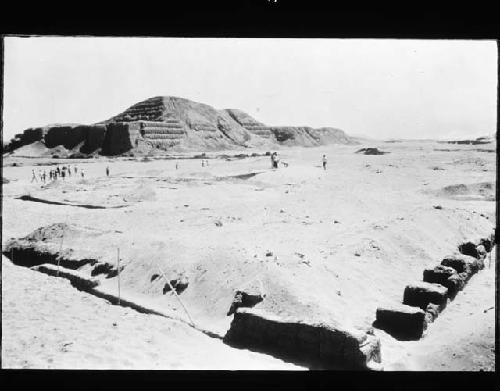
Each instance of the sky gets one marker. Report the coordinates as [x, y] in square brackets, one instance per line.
[379, 88]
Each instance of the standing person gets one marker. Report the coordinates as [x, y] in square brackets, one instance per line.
[272, 159]
[107, 170]
[76, 169]
[69, 170]
[82, 173]
[275, 160]
[324, 162]
[202, 163]
[33, 178]
[63, 173]
[176, 165]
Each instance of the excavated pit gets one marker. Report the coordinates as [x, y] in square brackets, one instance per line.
[29, 257]
[317, 346]
[105, 268]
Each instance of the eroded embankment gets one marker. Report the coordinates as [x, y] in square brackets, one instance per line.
[423, 301]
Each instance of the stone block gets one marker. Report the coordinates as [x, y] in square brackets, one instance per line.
[422, 293]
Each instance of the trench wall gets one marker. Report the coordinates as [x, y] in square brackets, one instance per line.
[317, 346]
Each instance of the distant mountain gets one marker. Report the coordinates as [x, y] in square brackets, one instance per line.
[166, 123]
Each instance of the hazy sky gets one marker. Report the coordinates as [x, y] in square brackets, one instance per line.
[377, 88]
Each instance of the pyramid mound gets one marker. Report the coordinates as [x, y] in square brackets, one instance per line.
[167, 123]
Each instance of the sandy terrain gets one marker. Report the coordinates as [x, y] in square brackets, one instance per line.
[326, 245]
[47, 324]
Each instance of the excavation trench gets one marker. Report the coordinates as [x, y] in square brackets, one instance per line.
[313, 345]
[239, 176]
[87, 206]
[309, 345]
[89, 286]
[29, 257]
[45, 262]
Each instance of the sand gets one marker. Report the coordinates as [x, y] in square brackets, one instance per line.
[343, 241]
[48, 324]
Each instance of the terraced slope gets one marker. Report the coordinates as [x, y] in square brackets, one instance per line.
[165, 123]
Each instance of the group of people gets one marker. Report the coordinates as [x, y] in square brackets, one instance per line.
[275, 161]
[56, 173]
[68, 171]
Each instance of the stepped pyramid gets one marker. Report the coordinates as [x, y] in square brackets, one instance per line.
[155, 120]
[168, 123]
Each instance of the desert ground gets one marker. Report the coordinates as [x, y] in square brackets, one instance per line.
[324, 245]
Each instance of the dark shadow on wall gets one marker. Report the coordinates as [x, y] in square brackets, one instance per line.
[116, 139]
[67, 136]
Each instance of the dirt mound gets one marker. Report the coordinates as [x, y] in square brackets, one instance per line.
[140, 193]
[59, 184]
[477, 141]
[32, 150]
[371, 151]
[54, 231]
[475, 191]
[456, 189]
